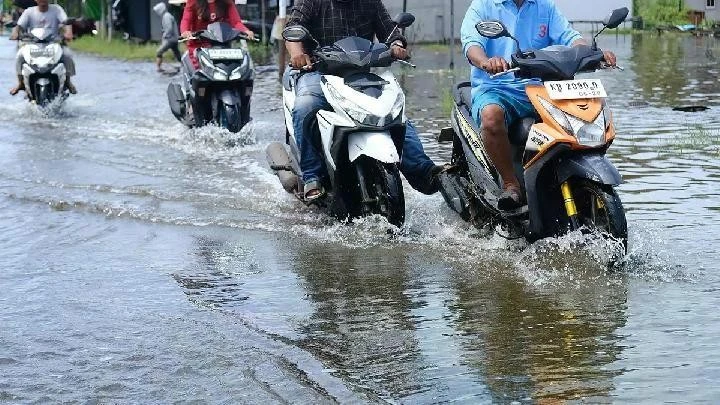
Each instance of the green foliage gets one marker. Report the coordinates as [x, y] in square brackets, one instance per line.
[661, 12]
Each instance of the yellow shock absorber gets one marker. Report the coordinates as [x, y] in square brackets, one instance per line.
[569, 200]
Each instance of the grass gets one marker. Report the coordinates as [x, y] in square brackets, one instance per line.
[116, 48]
[125, 50]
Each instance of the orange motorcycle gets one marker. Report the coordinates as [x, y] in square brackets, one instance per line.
[559, 159]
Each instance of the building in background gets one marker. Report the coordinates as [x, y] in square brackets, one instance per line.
[703, 10]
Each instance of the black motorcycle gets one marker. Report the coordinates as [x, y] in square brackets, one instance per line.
[220, 90]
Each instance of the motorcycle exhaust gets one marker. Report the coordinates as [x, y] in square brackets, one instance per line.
[176, 99]
[283, 165]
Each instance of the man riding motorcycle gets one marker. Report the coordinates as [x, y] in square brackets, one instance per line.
[329, 21]
[497, 103]
[47, 16]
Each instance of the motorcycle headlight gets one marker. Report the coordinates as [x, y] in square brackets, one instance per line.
[398, 106]
[57, 53]
[355, 112]
[590, 134]
[240, 71]
[217, 74]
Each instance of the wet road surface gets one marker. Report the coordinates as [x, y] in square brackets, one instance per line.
[143, 262]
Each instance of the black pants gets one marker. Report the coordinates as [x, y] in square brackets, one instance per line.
[171, 45]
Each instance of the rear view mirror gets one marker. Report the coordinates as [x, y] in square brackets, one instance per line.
[616, 18]
[295, 33]
[404, 20]
[492, 29]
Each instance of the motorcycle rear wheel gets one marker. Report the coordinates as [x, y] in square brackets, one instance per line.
[599, 208]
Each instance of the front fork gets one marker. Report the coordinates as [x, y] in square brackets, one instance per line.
[570, 207]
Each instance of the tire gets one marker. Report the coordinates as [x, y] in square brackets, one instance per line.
[230, 118]
[384, 186]
[599, 208]
[43, 96]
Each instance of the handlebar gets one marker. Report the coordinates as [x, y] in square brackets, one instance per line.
[517, 69]
[195, 37]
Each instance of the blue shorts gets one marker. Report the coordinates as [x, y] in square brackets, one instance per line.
[515, 109]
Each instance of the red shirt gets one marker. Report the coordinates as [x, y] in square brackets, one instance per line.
[193, 22]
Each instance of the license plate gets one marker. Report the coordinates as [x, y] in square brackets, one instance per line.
[226, 53]
[42, 52]
[576, 89]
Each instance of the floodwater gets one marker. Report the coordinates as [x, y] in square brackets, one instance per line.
[144, 263]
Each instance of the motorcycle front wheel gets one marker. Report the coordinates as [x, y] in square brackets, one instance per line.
[43, 96]
[230, 118]
[381, 190]
[599, 208]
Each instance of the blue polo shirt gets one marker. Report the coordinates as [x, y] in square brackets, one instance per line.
[536, 24]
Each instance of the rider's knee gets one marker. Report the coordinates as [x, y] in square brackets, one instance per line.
[492, 119]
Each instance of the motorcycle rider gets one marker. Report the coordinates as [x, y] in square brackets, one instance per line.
[169, 35]
[198, 14]
[51, 17]
[497, 103]
[329, 21]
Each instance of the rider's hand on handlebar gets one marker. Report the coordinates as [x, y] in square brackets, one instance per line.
[186, 34]
[250, 35]
[495, 65]
[399, 52]
[610, 58]
[301, 61]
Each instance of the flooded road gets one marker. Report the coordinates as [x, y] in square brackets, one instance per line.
[142, 262]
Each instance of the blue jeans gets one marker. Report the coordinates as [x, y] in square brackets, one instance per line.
[415, 164]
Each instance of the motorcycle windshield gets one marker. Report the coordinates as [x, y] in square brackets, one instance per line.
[353, 53]
[220, 32]
[42, 34]
[558, 62]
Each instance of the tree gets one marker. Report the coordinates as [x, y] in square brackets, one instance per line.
[661, 12]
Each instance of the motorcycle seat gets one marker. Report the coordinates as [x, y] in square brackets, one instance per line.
[463, 94]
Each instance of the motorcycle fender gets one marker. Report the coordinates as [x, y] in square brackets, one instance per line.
[230, 97]
[376, 145]
[595, 167]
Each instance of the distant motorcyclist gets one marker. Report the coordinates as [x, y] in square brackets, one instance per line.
[47, 16]
[498, 103]
[198, 14]
[170, 34]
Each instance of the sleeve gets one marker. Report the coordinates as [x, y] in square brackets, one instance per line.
[24, 19]
[186, 24]
[468, 34]
[561, 32]
[61, 15]
[384, 25]
[234, 18]
[302, 13]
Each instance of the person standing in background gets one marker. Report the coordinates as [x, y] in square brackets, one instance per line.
[170, 34]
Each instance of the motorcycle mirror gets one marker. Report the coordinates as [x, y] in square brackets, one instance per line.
[295, 33]
[404, 20]
[492, 29]
[616, 18]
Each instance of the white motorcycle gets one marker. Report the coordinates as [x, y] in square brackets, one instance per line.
[361, 138]
[43, 72]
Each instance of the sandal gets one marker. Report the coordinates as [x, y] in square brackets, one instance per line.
[511, 199]
[313, 190]
[15, 90]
